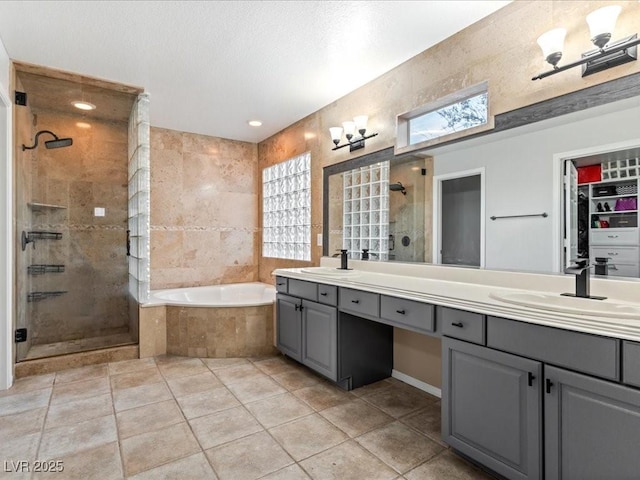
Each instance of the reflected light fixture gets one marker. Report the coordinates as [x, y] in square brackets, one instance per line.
[354, 142]
[255, 123]
[601, 25]
[82, 105]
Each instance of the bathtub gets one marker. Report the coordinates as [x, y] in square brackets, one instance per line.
[230, 295]
[220, 321]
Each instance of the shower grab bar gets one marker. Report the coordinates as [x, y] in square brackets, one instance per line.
[31, 237]
[37, 296]
[543, 214]
[42, 269]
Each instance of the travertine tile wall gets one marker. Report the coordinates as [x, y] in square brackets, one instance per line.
[500, 49]
[204, 210]
[91, 173]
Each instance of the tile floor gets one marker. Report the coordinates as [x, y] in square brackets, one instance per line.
[240, 419]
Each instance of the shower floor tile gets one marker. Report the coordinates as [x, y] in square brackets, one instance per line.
[82, 345]
[223, 419]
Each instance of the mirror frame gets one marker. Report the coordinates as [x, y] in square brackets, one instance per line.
[608, 92]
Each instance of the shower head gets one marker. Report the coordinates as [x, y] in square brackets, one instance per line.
[56, 143]
[397, 187]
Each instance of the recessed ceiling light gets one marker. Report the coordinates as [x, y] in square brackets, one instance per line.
[83, 125]
[84, 105]
[255, 123]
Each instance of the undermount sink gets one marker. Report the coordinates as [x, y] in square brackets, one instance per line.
[575, 305]
[329, 272]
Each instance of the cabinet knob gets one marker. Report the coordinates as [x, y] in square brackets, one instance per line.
[355, 301]
[401, 312]
[457, 324]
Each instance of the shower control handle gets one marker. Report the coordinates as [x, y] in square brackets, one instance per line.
[128, 243]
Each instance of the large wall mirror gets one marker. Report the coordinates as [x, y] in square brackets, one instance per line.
[497, 200]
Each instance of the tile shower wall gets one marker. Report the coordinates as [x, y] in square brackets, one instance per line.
[91, 173]
[204, 210]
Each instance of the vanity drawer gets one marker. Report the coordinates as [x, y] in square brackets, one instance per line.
[622, 270]
[328, 294]
[282, 284]
[360, 302]
[631, 363]
[461, 324]
[606, 236]
[582, 352]
[409, 314]
[626, 255]
[303, 289]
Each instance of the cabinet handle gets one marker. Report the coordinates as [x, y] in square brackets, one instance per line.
[531, 379]
[355, 301]
[457, 324]
[323, 294]
[401, 312]
[548, 385]
[298, 307]
[279, 284]
[612, 236]
[612, 253]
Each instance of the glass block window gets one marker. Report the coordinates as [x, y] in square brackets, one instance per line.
[286, 209]
[462, 115]
[366, 211]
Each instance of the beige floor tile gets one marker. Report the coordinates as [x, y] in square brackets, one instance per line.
[191, 366]
[62, 441]
[399, 446]
[248, 458]
[89, 372]
[218, 363]
[27, 384]
[323, 395]
[79, 411]
[21, 402]
[149, 450]
[356, 417]
[126, 366]
[447, 466]
[22, 423]
[206, 403]
[222, 427]
[238, 373]
[399, 401]
[21, 447]
[148, 418]
[194, 467]
[277, 365]
[193, 384]
[135, 379]
[347, 461]
[139, 396]
[279, 409]
[71, 392]
[101, 463]
[307, 436]
[164, 359]
[427, 421]
[296, 379]
[372, 387]
[292, 472]
[255, 389]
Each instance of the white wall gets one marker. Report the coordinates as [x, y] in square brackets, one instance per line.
[6, 283]
[520, 178]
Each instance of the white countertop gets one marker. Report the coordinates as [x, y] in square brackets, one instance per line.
[474, 296]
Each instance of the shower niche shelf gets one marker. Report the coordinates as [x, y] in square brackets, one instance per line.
[38, 296]
[42, 269]
[44, 207]
[31, 237]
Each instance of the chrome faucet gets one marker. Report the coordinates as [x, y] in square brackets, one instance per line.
[583, 276]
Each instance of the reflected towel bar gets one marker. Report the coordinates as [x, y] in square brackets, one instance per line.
[543, 214]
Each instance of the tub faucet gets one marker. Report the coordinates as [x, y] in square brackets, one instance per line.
[581, 271]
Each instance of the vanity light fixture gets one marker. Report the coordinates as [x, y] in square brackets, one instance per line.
[601, 25]
[359, 123]
[82, 105]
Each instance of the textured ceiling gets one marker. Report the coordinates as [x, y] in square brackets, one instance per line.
[212, 66]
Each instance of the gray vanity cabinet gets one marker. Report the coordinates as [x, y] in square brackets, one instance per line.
[320, 338]
[491, 408]
[592, 428]
[289, 326]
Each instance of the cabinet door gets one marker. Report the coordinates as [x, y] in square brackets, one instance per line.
[289, 326]
[592, 428]
[491, 408]
[320, 338]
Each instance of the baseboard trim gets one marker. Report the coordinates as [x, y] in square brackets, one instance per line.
[419, 384]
